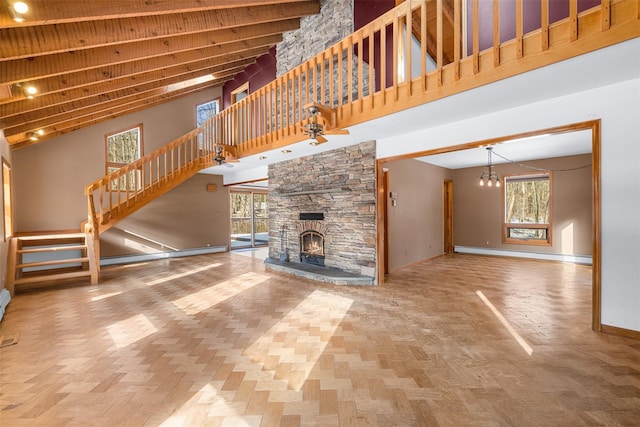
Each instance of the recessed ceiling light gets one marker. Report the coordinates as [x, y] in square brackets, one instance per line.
[286, 151]
[20, 7]
[262, 157]
[17, 10]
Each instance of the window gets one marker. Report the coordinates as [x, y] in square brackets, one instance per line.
[122, 148]
[205, 111]
[240, 93]
[7, 209]
[527, 203]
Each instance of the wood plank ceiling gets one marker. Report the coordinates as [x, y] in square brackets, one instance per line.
[95, 60]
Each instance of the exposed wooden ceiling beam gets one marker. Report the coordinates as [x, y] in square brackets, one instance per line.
[24, 42]
[46, 12]
[49, 100]
[18, 141]
[113, 108]
[62, 63]
[45, 117]
[98, 60]
[148, 64]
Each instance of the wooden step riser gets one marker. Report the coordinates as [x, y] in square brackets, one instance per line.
[53, 249]
[53, 262]
[52, 277]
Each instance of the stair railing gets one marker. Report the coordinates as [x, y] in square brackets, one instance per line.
[125, 190]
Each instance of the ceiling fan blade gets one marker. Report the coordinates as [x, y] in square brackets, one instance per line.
[336, 132]
[321, 139]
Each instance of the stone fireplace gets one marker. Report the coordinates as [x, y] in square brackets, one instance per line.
[322, 213]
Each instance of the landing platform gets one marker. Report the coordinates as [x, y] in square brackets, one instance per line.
[319, 273]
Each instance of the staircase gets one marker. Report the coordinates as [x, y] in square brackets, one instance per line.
[46, 257]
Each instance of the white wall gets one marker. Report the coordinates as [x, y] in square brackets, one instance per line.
[618, 107]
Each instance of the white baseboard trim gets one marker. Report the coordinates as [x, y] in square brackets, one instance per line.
[576, 259]
[130, 259]
[5, 297]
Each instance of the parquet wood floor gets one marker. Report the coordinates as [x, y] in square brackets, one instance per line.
[215, 340]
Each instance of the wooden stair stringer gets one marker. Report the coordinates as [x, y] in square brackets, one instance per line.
[136, 201]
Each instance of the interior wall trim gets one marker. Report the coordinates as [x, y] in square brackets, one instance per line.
[130, 259]
[621, 332]
[576, 259]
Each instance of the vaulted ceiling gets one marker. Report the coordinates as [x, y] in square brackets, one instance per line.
[95, 60]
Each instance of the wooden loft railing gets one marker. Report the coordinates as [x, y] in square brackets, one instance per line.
[370, 74]
[344, 77]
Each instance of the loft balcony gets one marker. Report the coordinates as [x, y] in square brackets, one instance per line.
[378, 70]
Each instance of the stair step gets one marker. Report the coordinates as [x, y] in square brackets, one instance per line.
[53, 249]
[48, 277]
[53, 262]
[52, 236]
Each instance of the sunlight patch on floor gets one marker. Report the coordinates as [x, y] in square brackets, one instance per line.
[197, 302]
[312, 323]
[131, 330]
[105, 296]
[179, 275]
[209, 402]
[525, 346]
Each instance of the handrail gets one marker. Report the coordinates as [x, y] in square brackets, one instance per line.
[125, 190]
[373, 72]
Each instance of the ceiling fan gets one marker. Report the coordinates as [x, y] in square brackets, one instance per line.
[220, 159]
[316, 130]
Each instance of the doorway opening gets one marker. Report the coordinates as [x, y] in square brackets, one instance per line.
[249, 219]
[593, 128]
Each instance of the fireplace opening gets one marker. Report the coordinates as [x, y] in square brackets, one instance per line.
[312, 248]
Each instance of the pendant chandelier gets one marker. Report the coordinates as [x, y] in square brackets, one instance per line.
[489, 176]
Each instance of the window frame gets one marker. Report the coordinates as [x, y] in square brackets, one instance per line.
[117, 165]
[218, 103]
[7, 200]
[507, 227]
[235, 94]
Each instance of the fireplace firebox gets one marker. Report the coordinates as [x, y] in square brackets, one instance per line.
[312, 248]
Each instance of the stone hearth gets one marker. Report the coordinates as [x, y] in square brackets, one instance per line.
[318, 273]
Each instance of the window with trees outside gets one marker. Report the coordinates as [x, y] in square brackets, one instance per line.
[205, 111]
[527, 203]
[124, 147]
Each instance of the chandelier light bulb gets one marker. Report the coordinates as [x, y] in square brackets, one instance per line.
[489, 183]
